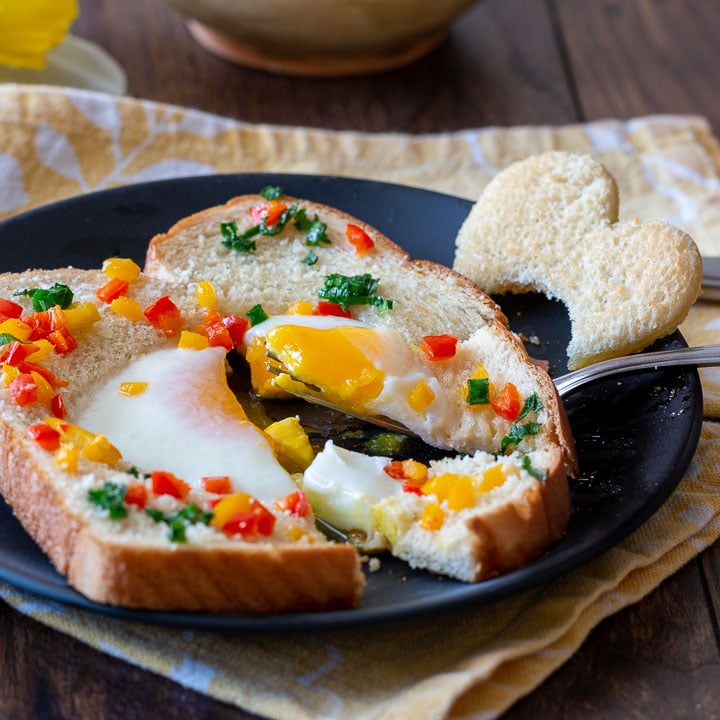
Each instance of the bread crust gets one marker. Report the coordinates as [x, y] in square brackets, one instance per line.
[498, 541]
[233, 576]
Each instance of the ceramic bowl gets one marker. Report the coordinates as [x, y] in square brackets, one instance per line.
[320, 37]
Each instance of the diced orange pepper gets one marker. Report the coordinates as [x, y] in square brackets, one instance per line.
[507, 403]
[359, 239]
[269, 211]
[112, 290]
[63, 341]
[219, 484]
[218, 335]
[136, 494]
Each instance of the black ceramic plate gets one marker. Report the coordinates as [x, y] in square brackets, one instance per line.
[635, 436]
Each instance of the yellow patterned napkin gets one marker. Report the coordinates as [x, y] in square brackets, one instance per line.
[55, 143]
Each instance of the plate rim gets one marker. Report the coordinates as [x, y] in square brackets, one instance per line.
[480, 593]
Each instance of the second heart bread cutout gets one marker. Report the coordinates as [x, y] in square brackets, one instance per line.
[550, 224]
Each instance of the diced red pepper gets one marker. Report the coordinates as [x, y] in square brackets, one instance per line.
[507, 402]
[29, 366]
[220, 485]
[240, 524]
[237, 327]
[136, 494]
[259, 520]
[361, 241]
[323, 307]
[57, 406]
[269, 211]
[218, 335]
[23, 389]
[295, 503]
[113, 289]
[414, 489]
[165, 315]
[439, 347]
[16, 352]
[165, 483]
[9, 309]
[264, 519]
[62, 340]
[46, 437]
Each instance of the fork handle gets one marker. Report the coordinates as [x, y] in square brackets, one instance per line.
[702, 356]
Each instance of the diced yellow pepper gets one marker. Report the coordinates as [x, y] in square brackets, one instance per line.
[9, 373]
[493, 477]
[128, 308]
[17, 328]
[420, 397]
[480, 373]
[45, 390]
[301, 307]
[205, 294]
[100, 449]
[190, 340]
[414, 472]
[44, 348]
[231, 505]
[296, 532]
[291, 443]
[432, 517]
[70, 433]
[438, 486]
[122, 268]
[461, 494]
[81, 315]
[66, 456]
[132, 388]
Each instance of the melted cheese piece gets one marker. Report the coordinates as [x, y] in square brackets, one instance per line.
[343, 485]
[187, 422]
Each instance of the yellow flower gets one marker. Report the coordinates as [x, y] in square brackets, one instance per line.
[29, 28]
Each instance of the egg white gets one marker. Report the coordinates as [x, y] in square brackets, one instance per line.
[187, 422]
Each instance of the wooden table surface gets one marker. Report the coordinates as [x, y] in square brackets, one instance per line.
[507, 62]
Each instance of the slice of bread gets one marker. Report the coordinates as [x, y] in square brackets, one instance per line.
[131, 561]
[550, 224]
[428, 299]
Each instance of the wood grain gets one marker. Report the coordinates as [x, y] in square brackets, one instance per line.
[484, 74]
[643, 56]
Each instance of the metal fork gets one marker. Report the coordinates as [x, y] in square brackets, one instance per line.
[704, 356]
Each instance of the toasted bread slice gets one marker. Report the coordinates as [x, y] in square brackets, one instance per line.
[137, 560]
[428, 300]
[550, 224]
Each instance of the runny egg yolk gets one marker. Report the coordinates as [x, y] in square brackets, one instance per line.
[341, 360]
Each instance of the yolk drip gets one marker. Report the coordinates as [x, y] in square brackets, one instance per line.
[337, 360]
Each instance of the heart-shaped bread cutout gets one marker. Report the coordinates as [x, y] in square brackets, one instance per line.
[550, 224]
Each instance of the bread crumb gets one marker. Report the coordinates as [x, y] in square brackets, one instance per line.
[373, 564]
